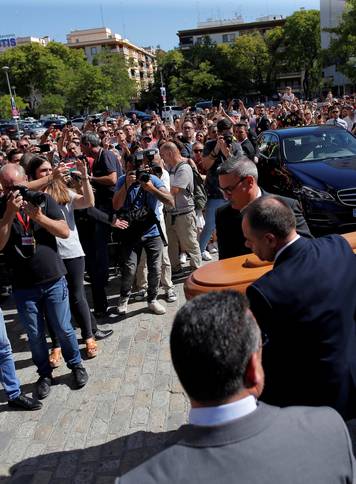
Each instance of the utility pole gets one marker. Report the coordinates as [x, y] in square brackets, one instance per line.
[163, 89]
[14, 111]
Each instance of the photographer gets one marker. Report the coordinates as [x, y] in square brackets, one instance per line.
[30, 223]
[71, 252]
[104, 174]
[215, 152]
[139, 192]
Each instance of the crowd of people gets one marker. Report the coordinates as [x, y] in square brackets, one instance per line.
[167, 195]
[157, 189]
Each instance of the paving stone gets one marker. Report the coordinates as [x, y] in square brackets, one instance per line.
[93, 434]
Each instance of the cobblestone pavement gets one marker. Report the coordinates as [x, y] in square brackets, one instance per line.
[122, 416]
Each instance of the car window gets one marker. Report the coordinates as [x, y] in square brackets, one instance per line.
[320, 145]
[268, 145]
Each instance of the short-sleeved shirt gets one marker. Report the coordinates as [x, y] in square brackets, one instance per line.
[103, 166]
[212, 178]
[143, 198]
[70, 248]
[31, 267]
[181, 176]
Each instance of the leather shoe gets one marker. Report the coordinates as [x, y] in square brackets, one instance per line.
[102, 334]
[80, 375]
[43, 386]
[25, 403]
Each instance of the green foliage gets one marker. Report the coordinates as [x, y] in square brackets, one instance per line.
[249, 65]
[303, 48]
[5, 105]
[342, 49]
[58, 79]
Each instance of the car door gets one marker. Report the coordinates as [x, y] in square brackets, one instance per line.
[275, 175]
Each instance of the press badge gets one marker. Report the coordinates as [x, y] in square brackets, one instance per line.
[28, 241]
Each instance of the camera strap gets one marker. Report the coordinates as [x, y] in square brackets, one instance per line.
[25, 225]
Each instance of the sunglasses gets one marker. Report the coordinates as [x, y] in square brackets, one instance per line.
[198, 151]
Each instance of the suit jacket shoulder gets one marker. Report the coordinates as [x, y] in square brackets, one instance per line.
[273, 441]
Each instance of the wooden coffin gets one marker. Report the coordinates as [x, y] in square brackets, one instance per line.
[235, 273]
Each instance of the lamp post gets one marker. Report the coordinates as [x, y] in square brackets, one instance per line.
[12, 100]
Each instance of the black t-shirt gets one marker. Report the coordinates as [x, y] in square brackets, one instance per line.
[212, 179]
[33, 265]
[103, 166]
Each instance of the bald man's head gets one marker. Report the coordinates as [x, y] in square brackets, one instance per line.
[170, 153]
[12, 175]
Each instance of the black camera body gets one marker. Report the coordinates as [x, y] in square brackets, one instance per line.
[38, 199]
[143, 175]
[228, 139]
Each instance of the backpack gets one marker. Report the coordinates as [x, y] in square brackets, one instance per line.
[199, 193]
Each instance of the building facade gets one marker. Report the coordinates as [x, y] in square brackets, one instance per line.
[226, 31]
[141, 63]
[330, 15]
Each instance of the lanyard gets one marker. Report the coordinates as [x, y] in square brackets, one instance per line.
[26, 224]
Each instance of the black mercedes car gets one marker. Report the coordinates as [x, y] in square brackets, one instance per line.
[316, 165]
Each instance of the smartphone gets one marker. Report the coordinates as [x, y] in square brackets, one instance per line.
[44, 148]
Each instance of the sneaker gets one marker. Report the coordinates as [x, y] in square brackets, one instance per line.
[80, 375]
[140, 295]
[24, 403]
[212, 248]
[43, 386]
[122, 307]
[183, 258]
[156, 308]
[171, 296]
[206, 256]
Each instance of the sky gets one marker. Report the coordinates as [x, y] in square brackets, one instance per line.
[143, 22]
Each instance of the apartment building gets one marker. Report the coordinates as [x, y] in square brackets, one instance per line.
[141, 62]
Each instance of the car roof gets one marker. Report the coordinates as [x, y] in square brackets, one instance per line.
[287, 132]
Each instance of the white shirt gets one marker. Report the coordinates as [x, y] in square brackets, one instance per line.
[337, 122]
[223, 413]
[285, 246]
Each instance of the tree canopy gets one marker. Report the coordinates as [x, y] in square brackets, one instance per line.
[248, 65]
[58, 79]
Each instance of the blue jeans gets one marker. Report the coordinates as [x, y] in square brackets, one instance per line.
[50, 299]
[212, 205]
[8, 377]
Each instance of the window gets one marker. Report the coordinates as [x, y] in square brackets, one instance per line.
[93, 51]
[227, 38]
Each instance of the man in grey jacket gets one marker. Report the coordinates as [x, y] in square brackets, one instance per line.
[216, 349]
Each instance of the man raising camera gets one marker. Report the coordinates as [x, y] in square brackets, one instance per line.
[215, 152]
[29, 225]
[137, 196]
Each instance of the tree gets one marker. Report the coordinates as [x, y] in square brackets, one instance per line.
[120, 89]
[342, 49]
[5, 105]
[302, 48]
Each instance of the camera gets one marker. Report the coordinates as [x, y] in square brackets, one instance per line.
[142, 175]
[38, 199]
[149, 154]
[228, 139]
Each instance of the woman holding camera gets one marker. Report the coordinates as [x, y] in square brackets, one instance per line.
[70, 249]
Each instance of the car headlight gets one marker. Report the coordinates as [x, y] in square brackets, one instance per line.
[315, 194]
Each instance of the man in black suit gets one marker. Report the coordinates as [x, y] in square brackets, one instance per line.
[216, 349]
[262, 122]
[238, 180]
[306, 306]
[242, 137]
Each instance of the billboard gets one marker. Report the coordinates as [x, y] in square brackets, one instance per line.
[7, 41]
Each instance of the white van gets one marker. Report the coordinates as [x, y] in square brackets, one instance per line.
[170, 113]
